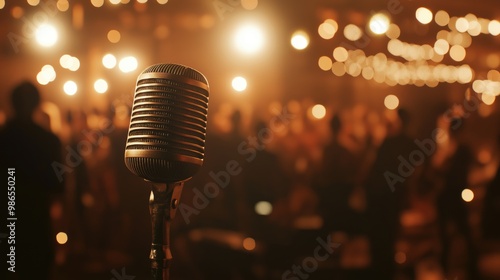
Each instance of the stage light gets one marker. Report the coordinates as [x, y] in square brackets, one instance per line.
[70, 88]
[239, 84]
[379, 23]
[128, 64]
[249, 39]
[423, 15]
[46, 35]
[101, 86]
[391, 102]
[300, 40]
[109, 61]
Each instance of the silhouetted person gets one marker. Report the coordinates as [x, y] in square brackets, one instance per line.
[31, 150]
[335, 183]
[491, 208]
[451, 208]
[385, 196]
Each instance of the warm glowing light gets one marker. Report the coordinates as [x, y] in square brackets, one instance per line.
[17, 12]
[327, 29]
[393, 32]
[467, 195]
[249, 4]
[423, 15]
[300, 40]
[340, 54]
[464, 74]
[162, 1]
[42, 78]
[128, 64]
[33, 2]
[62, 238]
[338, 68]
[74, 64]
[391, 102]
[457, 53]
[462, 24]
[114, 36]
[494, 27]
[70, 88]
[249, 244]
[109, 61]
[62, 5]
[115, 2]
[239, 84]
[97, 3]
[46, 35]
[352, 32]
[379, 23]
[249, 39]
[441, 46]
[318, 111]
[442, 18]
[263, 208]
[65, 60]
[101, 86]
[488, 99]
[325, 63]
[2, 4]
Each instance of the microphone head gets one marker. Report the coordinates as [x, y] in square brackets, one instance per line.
[166, 136]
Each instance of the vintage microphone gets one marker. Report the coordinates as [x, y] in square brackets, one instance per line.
[166, 145]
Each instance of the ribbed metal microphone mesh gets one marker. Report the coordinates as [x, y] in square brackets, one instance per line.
[166, 137]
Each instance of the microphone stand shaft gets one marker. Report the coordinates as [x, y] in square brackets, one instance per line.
[163, 203]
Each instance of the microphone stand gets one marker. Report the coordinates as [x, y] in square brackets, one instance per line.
[163, 203]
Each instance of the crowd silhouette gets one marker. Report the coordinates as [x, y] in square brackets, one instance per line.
[393, 204]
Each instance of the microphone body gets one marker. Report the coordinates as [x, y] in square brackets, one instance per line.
[166, 145]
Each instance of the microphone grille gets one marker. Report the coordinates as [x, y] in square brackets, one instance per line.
[166, 138]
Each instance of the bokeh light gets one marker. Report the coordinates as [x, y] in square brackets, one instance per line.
[70, 88]
[340, 54]
[249, 4]
[109, 61]
[101, 86]
[442, 18]
[318, 111]
[423, 15]
[62, 238]
[327, 29]
[325, 63]
[263, 208]
[391, 102]
[239, 84]
[114, 36]
[379, 23]
[128, 64]
[249, 244]
[352, 32]
[494, 27]
[300, 40]
[249, 39]
[46, 35]
[467, 195]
